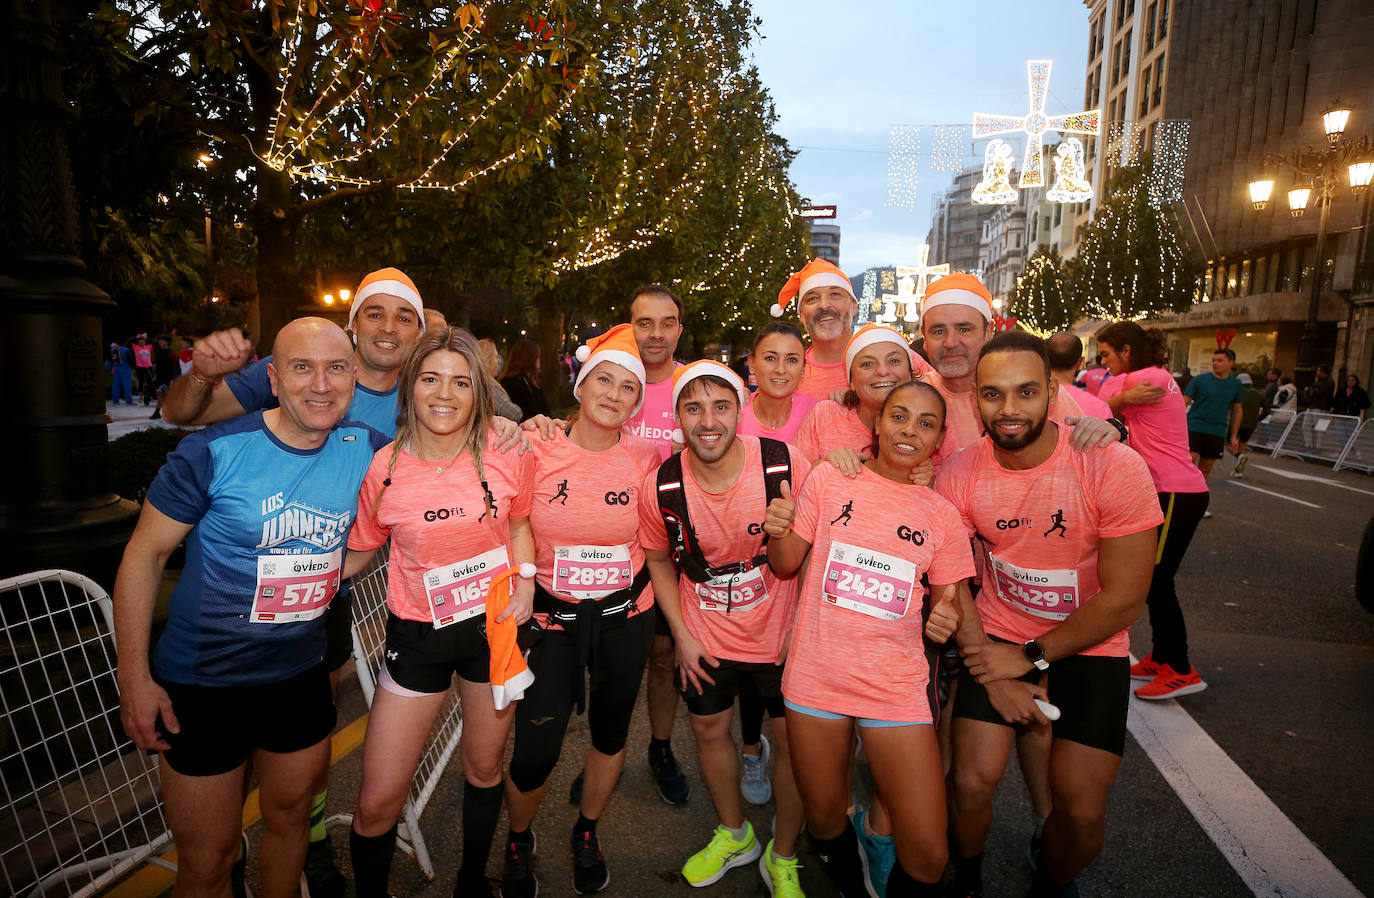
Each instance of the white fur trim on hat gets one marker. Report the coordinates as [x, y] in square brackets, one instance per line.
[630, 363]
[825, 279]
[702, 368]
[960, 297]
[390, 288]
[868, 337]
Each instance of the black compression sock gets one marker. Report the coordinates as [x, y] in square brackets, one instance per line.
[1044, 887]
[660, 744]
[901, 885]
[840, 857]
[481, 808]
[968, 873]
[525, 838]
[583, 825]
[371, 856]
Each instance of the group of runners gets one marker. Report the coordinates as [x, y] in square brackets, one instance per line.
[805, 550]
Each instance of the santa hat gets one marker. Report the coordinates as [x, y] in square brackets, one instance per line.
[958, 289]
[392, 282]
[816, 273]
[688, 373]
[868, 335]
[616, 345]
[510, 675]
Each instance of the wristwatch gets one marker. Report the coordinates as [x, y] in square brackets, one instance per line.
[1035, 654]
[1120, 427]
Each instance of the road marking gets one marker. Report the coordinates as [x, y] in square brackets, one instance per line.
[1251, 486]
[1295, 475]
[1267, 851]
[152, 879]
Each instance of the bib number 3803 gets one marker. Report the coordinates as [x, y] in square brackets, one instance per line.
[295, 587]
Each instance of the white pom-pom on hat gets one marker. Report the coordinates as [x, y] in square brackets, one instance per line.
[528, 570]
[583, 353]
[679, 436]
[775, 310]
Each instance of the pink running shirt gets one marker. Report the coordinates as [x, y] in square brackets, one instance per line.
[1090, 404]
[964, 423]
[584, 500]
[858, 646]
[830, 426]
[729, 528]
[1041, 529]
[820, 381]
[1159, 432]
[654, 421]
[438, 518]
[749, 426]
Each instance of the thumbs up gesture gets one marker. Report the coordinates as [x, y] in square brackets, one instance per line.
[944, 615]
[777, 523]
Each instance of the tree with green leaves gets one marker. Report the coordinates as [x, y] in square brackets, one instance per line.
[1042, 300]
[1133, 259]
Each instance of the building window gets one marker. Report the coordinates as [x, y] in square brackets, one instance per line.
[1159, 81]
[1245, 284]
[1092, 38]
[1120, 12]
[1233, 280]
[1145, 92]
[1126, 54]
[1150, 26]
[1116, 64]
[1258, 285]
[1163, 18]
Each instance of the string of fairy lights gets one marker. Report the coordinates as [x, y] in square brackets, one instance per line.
[903, 157]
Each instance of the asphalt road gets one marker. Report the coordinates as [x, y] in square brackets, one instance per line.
[1246, 788]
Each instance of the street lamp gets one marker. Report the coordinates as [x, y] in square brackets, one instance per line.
[1318, 171]
[345, 295]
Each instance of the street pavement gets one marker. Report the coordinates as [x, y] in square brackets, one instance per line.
[126, 419]
[1259, 785]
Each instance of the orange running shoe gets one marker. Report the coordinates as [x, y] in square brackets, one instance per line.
[1171, 684]
[1146, 669]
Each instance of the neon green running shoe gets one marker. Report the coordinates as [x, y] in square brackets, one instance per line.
[780, 874]
[723, 854]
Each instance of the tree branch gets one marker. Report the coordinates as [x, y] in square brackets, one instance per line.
[185, 121]
[319, 202]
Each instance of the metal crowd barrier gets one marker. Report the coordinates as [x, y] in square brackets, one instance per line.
[1317, 436]
[1271, 431]
[1359, 452]
[369, 641]
[80, 805]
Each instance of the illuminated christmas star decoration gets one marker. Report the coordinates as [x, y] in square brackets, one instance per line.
[995, 188]
[1035, 122]
[903, 154]
[922, 273]
[1070, 180]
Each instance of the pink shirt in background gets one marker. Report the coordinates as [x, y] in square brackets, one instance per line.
[820, 381]
[654, 422]
[830, 426]
[749, 426]
[1090, 404]
[1159, 432]
[1094, 378]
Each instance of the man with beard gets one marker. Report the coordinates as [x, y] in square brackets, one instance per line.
[1069, 539]
[826, 305]
[728, 612]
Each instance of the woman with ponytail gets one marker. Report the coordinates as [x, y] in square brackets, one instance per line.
[456, 510]
[1144, 394]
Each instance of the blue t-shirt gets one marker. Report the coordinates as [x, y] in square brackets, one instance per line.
[1212, 401]
[253, 390]
[251, 496]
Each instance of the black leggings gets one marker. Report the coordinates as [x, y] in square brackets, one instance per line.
[541, 719]
[1182, 511]
[751, 708]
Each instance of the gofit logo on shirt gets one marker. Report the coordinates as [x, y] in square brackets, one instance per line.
[295, 521]
[442, 514]
[915, 537]
[622, 497]
[1013, 523]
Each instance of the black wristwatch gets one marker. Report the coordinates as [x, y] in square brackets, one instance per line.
[1035, 654]
[1120, 427]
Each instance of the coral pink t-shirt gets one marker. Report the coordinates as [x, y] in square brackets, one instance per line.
[964, 423]
[1159, 432]
[749, 426]
[1090, 404]
[820, 381]
[750, 621]
[585, 517]
[830, 426]
[858, 646]
[1041, 529]
[654, 421]
[440, 528]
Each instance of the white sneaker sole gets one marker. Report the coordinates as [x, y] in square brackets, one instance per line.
[739, 860]
[1177, 693]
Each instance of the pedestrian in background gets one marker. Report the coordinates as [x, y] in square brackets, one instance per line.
[120, 364]
[491, 360]
[1352, 399]
[520, 379]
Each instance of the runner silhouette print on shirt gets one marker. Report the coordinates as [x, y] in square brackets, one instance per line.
[844, 517]
[1057, 523]
[561, 494]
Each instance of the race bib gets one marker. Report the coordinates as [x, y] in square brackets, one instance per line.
[868, 582]
[735, 592]
[591, 572]
[1052, 595]
[295, 587]
[458, 591]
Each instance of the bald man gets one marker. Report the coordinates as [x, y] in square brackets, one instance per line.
[264, 503]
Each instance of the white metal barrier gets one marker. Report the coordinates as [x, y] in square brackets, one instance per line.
[1317, 436]
[1271, 431]
[1359, 452]
[369, 641]
[80, 804]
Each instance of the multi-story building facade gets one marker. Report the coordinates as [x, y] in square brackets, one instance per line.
[825, 241]
[1002, 251]
[956, 227]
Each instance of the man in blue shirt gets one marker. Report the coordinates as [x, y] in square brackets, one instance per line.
[264, 503]
[1214, 411]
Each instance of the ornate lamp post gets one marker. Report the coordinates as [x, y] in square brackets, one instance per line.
[1318, 171]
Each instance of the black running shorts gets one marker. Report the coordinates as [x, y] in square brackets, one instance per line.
[721, 696]
[1206, 445]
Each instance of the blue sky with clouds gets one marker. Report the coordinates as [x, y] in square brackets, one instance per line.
[842, 74]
